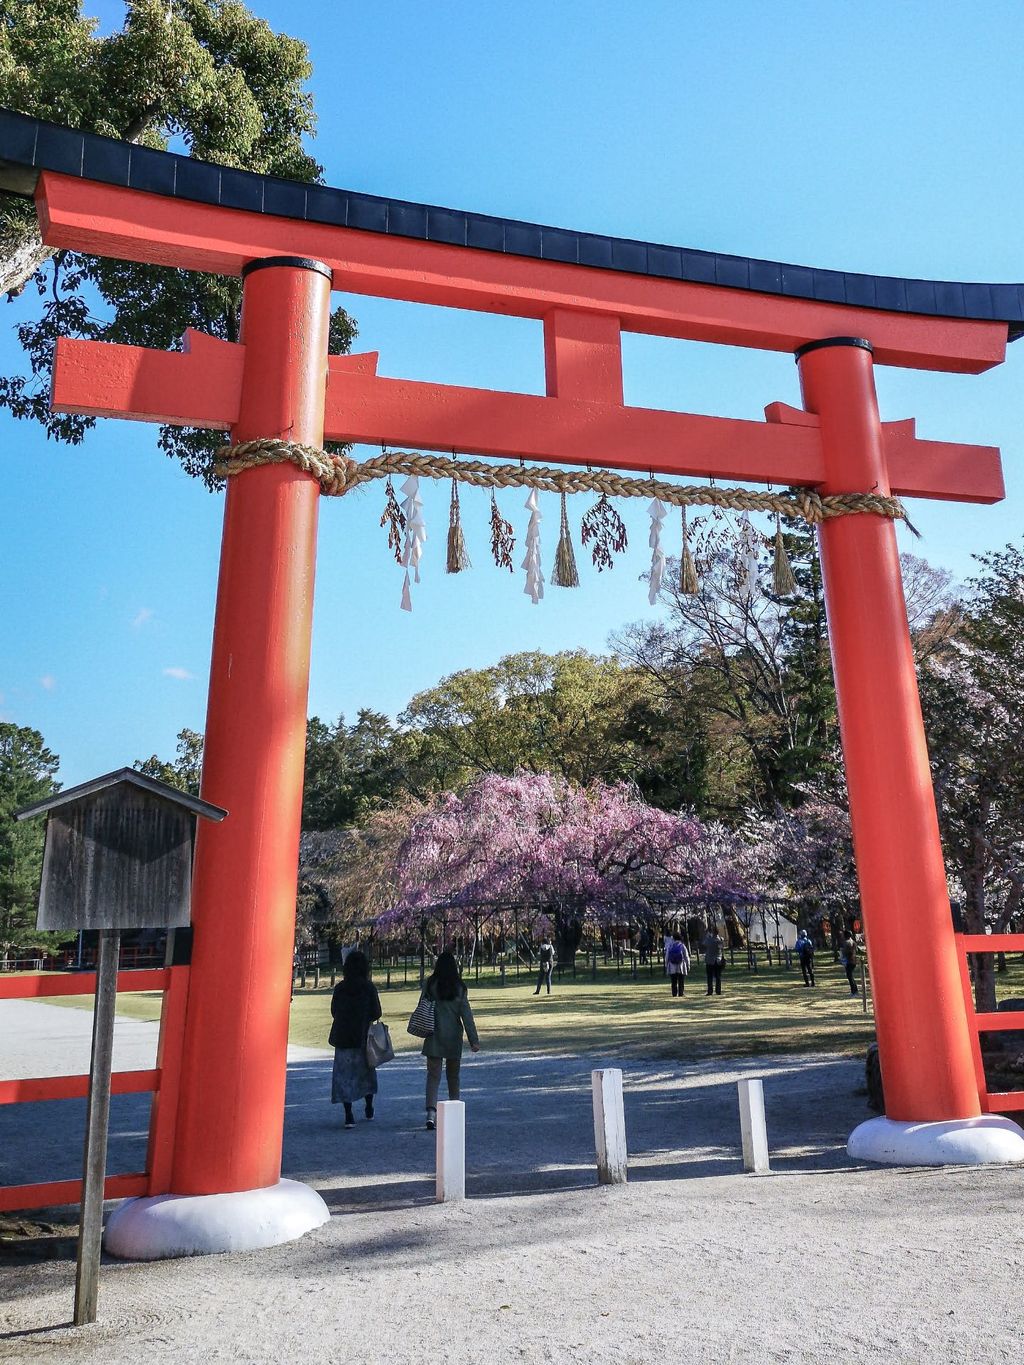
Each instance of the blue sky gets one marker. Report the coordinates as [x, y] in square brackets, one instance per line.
[872, 137]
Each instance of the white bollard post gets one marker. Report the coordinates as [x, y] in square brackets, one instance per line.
[451, 1151]
[753, 1128]
[609, 1126]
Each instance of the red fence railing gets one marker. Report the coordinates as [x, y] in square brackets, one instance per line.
[997, 1101]
[163, 1082]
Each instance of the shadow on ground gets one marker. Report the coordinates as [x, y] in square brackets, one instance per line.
[529, 1127]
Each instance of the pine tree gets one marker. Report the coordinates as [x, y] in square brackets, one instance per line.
[812, 756]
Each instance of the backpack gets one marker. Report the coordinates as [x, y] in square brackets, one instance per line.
[675, 954]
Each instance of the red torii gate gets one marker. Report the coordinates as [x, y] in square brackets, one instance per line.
[279, 381]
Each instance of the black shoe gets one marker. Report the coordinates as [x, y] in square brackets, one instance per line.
[349, 1120]
[431, 1125]
[369, 1108]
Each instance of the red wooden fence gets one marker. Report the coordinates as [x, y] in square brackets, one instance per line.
[163, 1082]
[999, 1101]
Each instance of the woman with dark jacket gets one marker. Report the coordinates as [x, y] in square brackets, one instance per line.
[355, 1004]
[452, 1015]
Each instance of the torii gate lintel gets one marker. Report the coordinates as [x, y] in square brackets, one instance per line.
[201, 386]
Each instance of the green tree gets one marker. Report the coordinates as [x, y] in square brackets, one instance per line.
[811, 754]
[27, 774]
[349, 769]
[572, 714]
[205, 74]
[186, 771]
[673, 749]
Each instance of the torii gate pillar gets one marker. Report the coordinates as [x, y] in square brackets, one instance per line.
[226, 1188]
[933, 1114]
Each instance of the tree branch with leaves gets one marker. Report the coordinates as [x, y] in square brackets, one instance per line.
[205, 75]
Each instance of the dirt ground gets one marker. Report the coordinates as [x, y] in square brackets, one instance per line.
[692, 1260]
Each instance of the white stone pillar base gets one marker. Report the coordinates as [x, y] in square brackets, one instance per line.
[166, 1225]
[989, 1140]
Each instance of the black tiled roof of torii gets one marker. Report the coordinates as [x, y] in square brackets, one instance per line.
[29, 145]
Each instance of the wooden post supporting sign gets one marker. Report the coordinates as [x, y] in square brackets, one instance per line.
[118, 855]
[97, 1123]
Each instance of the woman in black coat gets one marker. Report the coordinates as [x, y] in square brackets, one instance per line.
[354, 1006]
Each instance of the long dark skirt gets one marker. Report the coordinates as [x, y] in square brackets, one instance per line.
[351, 1079]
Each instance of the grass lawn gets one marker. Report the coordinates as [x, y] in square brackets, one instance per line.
[762, 1012]
[767, 1011]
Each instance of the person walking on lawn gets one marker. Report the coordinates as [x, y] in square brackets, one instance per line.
[849, 956]
[677, 964]
[805, 952]
[546, 963]
[355, 1004]
[452, 1017]
[714, 959]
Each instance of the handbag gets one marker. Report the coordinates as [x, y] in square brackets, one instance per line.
[378, 1044]
[421, 1021]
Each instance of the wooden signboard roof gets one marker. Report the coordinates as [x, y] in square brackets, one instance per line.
[149, 784]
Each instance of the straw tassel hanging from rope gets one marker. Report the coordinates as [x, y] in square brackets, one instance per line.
[564, 574]
[688, 580]
[458, 556]
[783, 582]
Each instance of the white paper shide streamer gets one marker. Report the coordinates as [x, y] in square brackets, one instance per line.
[748, 557]
[657, 511]
[531, 563]
[415, 535]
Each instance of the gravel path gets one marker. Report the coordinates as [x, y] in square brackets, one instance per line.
[823, 1261]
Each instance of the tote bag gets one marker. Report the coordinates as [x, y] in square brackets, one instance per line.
[378, 1044]
[421, 1021]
